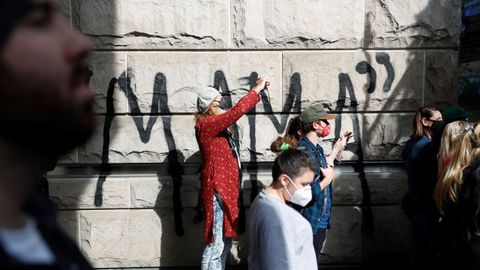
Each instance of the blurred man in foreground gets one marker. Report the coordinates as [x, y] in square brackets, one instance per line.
[45, 111]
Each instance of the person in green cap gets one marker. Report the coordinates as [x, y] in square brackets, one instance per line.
[315, 126]
[455, 113]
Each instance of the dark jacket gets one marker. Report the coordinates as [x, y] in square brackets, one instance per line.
[420, 155]
[469, 197]
[469, 204]
[66, 252]
[460, 225]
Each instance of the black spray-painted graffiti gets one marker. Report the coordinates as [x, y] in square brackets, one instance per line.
[365, 68]
[292, 105]
[345, 85]
[159, 105]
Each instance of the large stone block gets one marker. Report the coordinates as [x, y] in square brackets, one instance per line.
[153, 143]
[343, 241]
[175, 78]
[142, 139]
[412, 23]
[106, 68]
[162, 191]
[388, 240]
[387, 188]
[371, 188]
[154, 24]
[69, 222]
[378, 235]
[80, 193]
[299, 24]
[68, 158]
[158, 139]
[145, 139]
[441, 77]
[347, 189]
[385, 135]
[139, 238]
[354, 80]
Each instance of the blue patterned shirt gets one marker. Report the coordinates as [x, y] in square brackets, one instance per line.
[317, 212]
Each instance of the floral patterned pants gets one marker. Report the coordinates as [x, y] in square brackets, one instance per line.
[215, 254]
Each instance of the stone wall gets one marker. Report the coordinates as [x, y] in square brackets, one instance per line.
[129, 197]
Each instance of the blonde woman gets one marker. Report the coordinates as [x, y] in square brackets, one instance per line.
[450, 137]
[447, 193]
[469, 199]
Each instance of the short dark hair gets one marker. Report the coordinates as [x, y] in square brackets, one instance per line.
[307, 127]
[292, 163]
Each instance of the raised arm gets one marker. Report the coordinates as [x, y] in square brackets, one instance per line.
[213, 125]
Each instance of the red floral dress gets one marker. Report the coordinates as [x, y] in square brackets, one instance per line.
[220, 168]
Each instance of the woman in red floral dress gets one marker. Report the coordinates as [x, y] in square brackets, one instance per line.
[220, 174]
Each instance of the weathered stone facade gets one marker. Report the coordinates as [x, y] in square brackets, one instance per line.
[129, 197]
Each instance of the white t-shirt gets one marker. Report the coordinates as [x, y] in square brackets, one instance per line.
[26, 244]
[280, 238]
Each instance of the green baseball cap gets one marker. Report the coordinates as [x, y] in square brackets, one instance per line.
[315, 113]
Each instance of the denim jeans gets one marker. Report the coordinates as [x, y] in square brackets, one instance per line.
[215, 254]
[318, 240]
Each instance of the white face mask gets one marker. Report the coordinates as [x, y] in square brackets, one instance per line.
[302, 196]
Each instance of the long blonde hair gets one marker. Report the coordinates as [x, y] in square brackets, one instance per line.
[464, 152]
[450, 137]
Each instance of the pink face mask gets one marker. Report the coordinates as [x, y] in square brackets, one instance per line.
[326, 131]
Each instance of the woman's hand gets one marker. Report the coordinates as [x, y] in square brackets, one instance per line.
[261, 83]
[342, 141]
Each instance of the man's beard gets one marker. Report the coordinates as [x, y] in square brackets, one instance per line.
[40, 125]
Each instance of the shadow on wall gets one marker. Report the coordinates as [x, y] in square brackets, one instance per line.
[377, 236]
